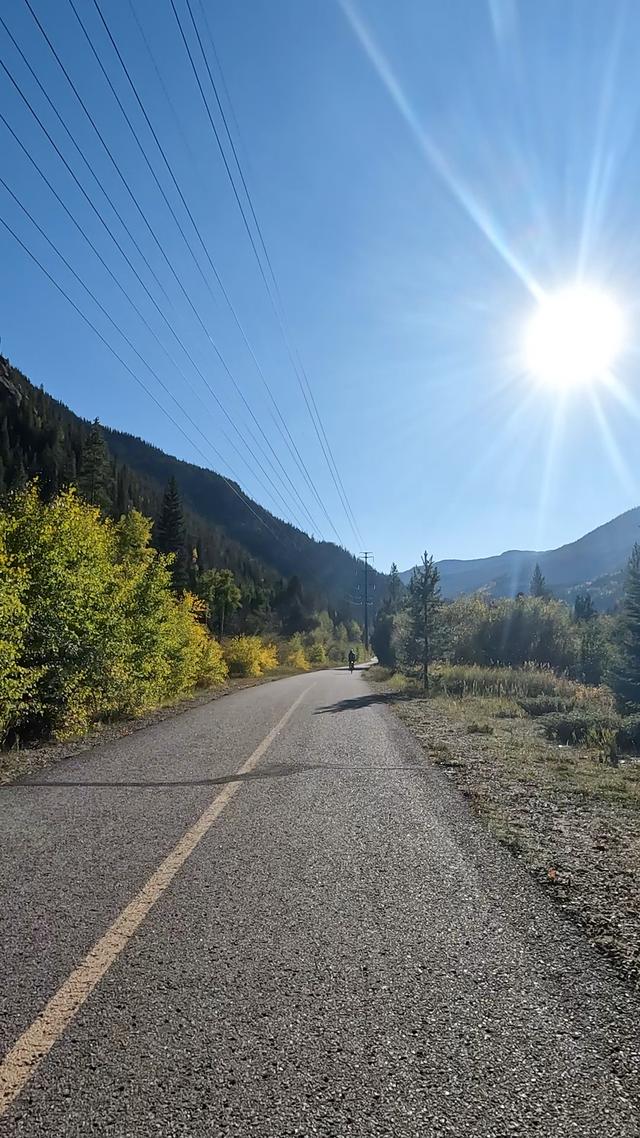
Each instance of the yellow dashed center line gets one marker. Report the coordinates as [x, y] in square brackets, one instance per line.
[34, 1044]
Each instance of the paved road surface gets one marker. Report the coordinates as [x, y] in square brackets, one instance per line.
[344, 951]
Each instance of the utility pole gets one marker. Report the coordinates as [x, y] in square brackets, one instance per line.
[366, 554]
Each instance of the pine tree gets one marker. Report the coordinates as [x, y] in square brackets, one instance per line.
[423, 603]
[395, 588]
[583, 607]
[171, 534]
[625, 678]
[383, 635]
[538, 586]
[95, 480]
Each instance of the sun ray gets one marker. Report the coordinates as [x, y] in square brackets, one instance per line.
[619, 465]
[438, 161]
[602, 162]
[622, 393]
[557, 426]
[510, 427]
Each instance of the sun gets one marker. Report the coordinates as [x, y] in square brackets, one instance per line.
[574, 337]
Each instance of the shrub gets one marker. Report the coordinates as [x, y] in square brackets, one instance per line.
[90, 627]
[15, 680]
[629, 733]
[317, 655]
[298, 660]
[545, 704]
[509, 632]
[244, 655]
[195, 658]
[268, 657]
[578, 726]
[379, 674]
[294, 656]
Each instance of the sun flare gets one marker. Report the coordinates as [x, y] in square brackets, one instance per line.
[574, 337]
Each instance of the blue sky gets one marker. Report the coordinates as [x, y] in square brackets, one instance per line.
[417, 169]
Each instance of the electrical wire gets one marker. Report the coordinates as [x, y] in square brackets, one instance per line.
[168, 324]
[124, 336]
[122, 289]
[299, 458]
[237, 490]
[79, 151]
[237, 388]
[278, 308]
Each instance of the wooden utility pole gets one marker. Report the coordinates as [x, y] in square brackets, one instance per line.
[366, 554]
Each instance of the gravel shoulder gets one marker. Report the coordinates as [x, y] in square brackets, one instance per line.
[573, 822]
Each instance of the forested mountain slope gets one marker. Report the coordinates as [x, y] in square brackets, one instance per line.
[40, 437]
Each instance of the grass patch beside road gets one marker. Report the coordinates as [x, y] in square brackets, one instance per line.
[564, 810]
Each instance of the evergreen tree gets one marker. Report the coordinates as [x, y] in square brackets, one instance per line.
[583, 607]
[395, 588]
[171, 534]
[382, 637]
[69, 472]
[422, 605]
[625, 678]
[95, 481]
[538, 586]
[292, 609]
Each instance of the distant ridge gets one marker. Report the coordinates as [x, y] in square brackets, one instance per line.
[595, 561]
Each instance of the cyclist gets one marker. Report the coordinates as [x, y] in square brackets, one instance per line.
[352, 660]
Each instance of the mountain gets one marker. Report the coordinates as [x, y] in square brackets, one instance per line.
[595, 561]
[40, 437]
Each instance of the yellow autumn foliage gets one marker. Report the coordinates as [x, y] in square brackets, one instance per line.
[89, 626]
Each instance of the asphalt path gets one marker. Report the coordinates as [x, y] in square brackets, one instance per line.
[317, 939]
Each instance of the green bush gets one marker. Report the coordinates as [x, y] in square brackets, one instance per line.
[629, 733]
[509, 632]
[16, 681]
[578, 726]
[293, 655]
[545, 704]
[317, 655]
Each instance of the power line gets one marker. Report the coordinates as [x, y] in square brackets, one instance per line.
[244, 216]
[119, 329]
[299, 370]
[125, 294]
[76, 179]
[77, 148]
[188, 243]
[287, 507]
[128, 297]
[206, 251]
[235, 489]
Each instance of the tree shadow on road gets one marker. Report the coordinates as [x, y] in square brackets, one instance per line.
[276, 771]
[358, 702]
[280, 770]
